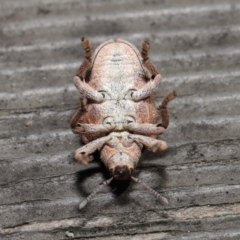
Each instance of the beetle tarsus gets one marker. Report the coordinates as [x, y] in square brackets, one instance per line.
[86, 44]
[145, 49]
[147, 63]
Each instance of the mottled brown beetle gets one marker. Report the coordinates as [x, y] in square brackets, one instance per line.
[118, 115]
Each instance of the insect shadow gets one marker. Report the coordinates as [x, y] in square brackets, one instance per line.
[117, 187]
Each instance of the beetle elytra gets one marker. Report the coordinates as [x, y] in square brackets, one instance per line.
[118, 116]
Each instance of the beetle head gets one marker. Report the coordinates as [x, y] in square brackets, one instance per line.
[121, 161]
[121, 172]
[121, 166]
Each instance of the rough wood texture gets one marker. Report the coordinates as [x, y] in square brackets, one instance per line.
[195, 44]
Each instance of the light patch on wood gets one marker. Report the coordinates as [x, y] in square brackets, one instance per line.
[99, 222]
[205, 212]
[44, 226]
[150, 236]
[28, 123]
[69, 234]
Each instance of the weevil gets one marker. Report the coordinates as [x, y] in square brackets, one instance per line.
[117, 114]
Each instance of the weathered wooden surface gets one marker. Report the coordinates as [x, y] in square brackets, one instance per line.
[195, 44]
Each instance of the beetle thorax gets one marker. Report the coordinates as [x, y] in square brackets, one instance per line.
[116, 69]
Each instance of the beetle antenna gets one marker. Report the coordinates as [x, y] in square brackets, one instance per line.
[88, 199]
[162, 199]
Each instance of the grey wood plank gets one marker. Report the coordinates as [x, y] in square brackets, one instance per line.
[196, 47]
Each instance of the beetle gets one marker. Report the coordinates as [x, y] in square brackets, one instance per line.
[117, 115]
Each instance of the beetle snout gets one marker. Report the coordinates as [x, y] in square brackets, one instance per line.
[122, 172]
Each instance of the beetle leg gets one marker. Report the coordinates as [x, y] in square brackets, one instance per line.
[75, 118]
[85, 128]
[153, 83]
[154, 71]
[151, 143]
[146, 90]
[83, 154]
[145, 128]
[163, 108]
[79, 80]
[78, 114]
[87, 91]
